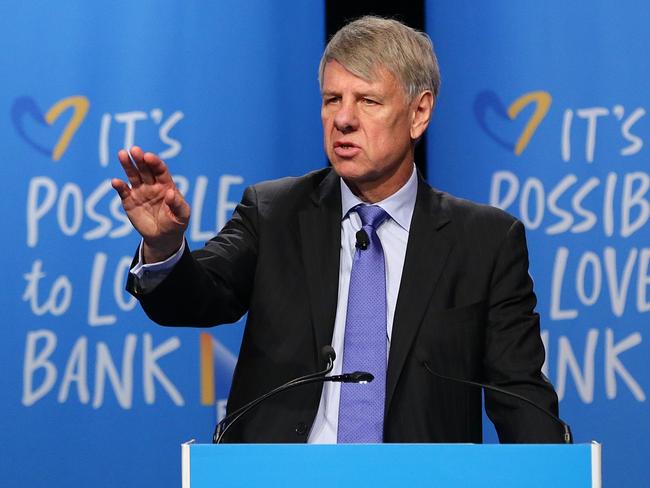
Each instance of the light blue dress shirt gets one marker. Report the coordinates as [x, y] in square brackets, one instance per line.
[393, 235]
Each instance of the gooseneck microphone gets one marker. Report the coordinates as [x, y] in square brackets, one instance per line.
[568, 437]
[327, 353]
[363, 241]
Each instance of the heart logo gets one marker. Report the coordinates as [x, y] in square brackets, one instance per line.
[488, 101]
[24, 107]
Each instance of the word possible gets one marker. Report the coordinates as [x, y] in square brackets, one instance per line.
[66, 206]
[565, 201]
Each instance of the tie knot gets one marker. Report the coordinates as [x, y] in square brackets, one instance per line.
[371, 215]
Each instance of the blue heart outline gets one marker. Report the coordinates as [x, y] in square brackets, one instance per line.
[489, 100]
[27, 106]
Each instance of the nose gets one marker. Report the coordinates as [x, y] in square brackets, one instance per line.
[346, 119]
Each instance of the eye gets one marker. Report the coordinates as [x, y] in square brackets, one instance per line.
[369, 101]
[330, 100]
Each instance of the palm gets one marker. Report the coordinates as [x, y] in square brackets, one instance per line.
[150, 215]
[152, 202]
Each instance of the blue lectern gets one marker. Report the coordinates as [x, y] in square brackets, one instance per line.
[379, 465]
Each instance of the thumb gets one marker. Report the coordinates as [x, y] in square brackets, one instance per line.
[177, 205]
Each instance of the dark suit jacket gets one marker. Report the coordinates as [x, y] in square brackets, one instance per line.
[465, 305]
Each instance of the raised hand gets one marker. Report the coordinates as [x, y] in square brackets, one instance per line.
[153, 204]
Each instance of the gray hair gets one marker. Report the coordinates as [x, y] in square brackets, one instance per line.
[370, 42]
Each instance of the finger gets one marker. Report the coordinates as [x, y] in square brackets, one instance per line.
[158, 168]
[145, 172]
[121, 188]
[177, 205]
[131, 171]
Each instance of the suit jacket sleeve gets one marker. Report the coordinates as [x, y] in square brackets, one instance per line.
[514, 352]
[214, 284]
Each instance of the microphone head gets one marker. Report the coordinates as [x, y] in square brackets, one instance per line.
[362, 240]
[327, 353]
[361, 377]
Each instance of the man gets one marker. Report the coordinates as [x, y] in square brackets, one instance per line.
[446, 285]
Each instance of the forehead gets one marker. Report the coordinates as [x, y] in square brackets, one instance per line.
[337, 78]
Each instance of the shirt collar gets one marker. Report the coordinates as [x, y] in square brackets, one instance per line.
[399, 205]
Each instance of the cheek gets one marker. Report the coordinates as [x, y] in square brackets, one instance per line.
[327, 124]
[396, 130]
[381, 135]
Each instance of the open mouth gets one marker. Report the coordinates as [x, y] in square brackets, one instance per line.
[345, 145]
[346, 149]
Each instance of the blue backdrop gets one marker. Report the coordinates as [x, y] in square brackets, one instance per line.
[93, 393]
[542, 112]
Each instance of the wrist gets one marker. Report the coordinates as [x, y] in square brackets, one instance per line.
[156, 254]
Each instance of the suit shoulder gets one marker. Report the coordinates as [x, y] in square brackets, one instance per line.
[476, 216]
[290, 187]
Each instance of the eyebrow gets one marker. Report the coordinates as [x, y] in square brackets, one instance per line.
[358, 94]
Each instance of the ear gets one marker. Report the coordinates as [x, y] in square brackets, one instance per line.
[421, 109]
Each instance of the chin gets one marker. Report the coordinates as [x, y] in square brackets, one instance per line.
[347, 168]
[355, 178]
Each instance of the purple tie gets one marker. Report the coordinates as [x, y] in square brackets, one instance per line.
[361, 411]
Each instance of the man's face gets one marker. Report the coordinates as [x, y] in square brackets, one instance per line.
[367, 129]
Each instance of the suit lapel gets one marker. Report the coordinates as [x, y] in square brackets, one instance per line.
[426, 253]
[320, 232]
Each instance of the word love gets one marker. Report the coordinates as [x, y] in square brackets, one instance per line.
[594, 274]
[54, 297]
